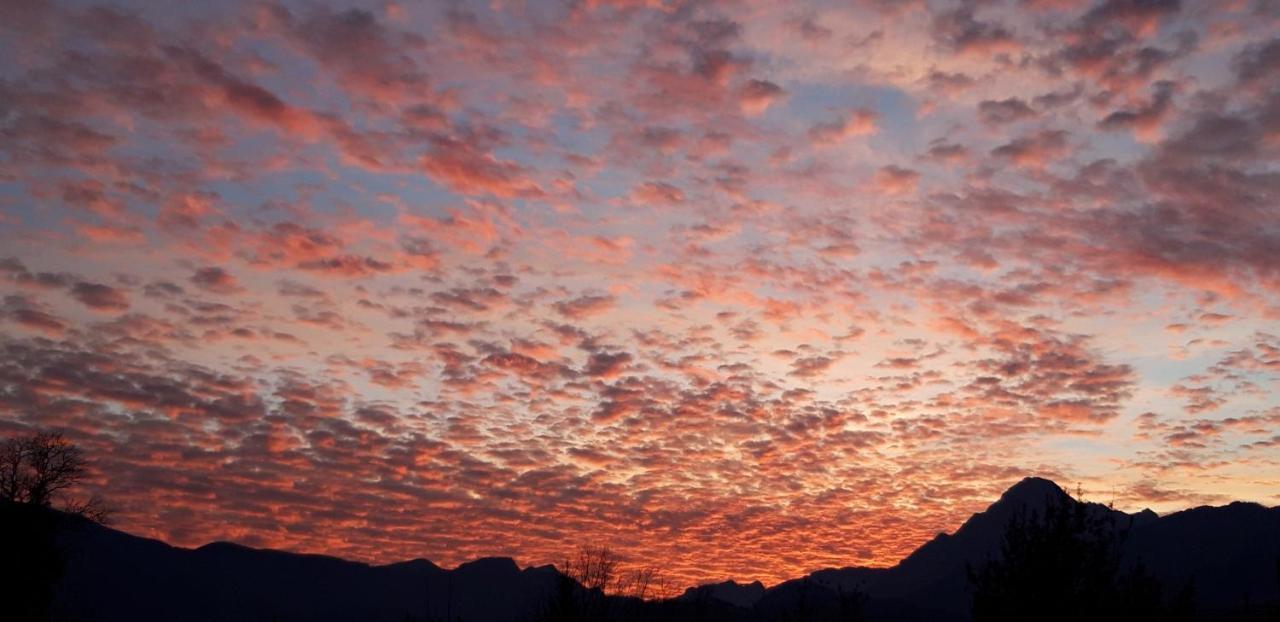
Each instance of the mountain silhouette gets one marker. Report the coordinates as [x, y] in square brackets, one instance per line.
[114, 576]
[738, 594]
[1227, 557]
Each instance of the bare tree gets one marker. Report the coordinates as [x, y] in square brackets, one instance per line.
[644, 583]
[597, 586]
[37, 469]
[637, 582]
[35, 472]
[593, 567]
[598, 568]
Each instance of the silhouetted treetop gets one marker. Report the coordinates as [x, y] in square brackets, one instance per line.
[40, 468]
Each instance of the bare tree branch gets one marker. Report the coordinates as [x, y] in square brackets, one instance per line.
[40, 468]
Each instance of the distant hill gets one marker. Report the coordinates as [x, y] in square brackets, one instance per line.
[1230, 555]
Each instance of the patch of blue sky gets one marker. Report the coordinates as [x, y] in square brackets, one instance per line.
[1121, 146]
[568, 133]
[250, 196]
[17, 203]
[296, 80]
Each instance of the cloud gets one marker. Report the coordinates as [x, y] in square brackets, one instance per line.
[31, 315]
[607, 364]
[946, 84]
[100, 297]
[1147, 118]
[358, 49]
[860, 122]
[811, 366]
[466, 169]
[960, 31]
[757, 95]
[216, 280]
[1256, 63]
[247, 98]
[1005, 111]
[1034, 150]
[346, 265]
[584, 306]
[895, 180]
[657, 193]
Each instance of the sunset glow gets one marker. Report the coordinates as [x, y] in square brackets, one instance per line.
[751, 288]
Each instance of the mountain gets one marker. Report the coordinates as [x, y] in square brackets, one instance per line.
[114, 576]
[1230, 556]
[737, 594]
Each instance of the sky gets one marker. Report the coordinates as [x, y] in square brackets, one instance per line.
[744, 288]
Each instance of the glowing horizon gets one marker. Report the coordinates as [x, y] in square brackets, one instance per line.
[753, 290]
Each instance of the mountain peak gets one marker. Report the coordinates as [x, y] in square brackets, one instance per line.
[743, 595]
[1034, 490]
[981, 532]
[492, 567]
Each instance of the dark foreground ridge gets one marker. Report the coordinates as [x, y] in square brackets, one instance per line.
[1217, 562]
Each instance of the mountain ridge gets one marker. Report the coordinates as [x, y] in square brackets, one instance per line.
[1226, 551]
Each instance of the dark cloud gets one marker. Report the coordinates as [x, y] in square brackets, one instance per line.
[216, 280]
[585, 306]
[960, 31]
[1004, 111]
[606, 364]
[100, 297]
[346, 265]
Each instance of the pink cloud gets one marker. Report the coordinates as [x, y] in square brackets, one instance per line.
[860, 122]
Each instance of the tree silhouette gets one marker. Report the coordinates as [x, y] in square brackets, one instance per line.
[35, 471]
[1065, 564]
[596, 585]
[594, 567]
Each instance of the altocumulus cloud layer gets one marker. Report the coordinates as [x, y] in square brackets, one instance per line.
[748, 287]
